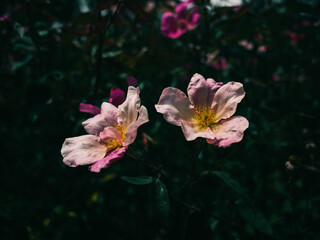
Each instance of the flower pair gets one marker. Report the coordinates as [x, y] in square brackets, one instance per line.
[207, 113]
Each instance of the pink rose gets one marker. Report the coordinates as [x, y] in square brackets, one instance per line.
[173, 25]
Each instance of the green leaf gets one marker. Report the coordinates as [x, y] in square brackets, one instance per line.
[19, 29]
[143, 180]
[20, 64]
[162, 200]
[231, 183]
[254, 217]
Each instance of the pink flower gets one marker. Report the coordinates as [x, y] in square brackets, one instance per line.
[246, 44]
[262, 48]
[173, 25]
[275, 77]
[117, 96]
[220, 64]
[294, 37]
[208, 111]
[132, 81]
[109, 134]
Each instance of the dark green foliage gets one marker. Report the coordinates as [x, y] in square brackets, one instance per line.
[264, 187]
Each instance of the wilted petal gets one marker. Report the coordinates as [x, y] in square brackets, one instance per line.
[110, 158]
[201, 91]
[110, 133]
[107, 117]
[128, 111]
[229, 131]
[82, 150]
[88, 108]
[226, 99]
[191, 132]
[131, 133]
[117, 96]
[175, 106]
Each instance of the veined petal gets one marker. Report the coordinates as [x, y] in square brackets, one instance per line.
[191, 132]
[131, 133]
[82, 150]
[229, 131]
[88, 108]
[128, 111]
[110, 133]
[200, 91]
[107, 117]
[175, 106]
[110, 158]
[226, 99]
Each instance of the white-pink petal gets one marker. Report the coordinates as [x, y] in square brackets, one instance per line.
[107, 117]
[229, 131]
[111, 133]
[202, 91]
[175, 106]
[131, 133]
[191, 131]
[110, 158]
[128, 111]
[226, 99]
[82, 150]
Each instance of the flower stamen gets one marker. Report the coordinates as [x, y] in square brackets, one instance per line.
[204, 117]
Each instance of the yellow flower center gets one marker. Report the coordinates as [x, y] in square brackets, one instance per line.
[113, 144]
[204, 117]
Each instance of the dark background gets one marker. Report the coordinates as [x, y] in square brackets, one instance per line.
[48, 67]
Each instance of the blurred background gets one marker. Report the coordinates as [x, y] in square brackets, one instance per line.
[58, 54]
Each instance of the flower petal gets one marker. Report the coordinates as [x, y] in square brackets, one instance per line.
[191, 132]
[128, 111]
[193, 20]
[229, 131]
[110, 158]
[107, 117]
[175, 106]
[132, 81]
[82, 150]
[182, 10]
[226, 99]
[88, 108]
[131, 133]
[201, 91]
[169, 25]
[110, 133]
[117, 96]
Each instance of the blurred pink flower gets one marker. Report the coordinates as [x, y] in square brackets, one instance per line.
[305, 23]
[117, 96]
[237, 9]
[109, 134]
[207, 111]
[294, 37]
[132, 81]
[275, 77]
[220, 64]
[262, 48]
[246, 44]
[217, 62]
[149, 6]
[4, 17]
[173, 25]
